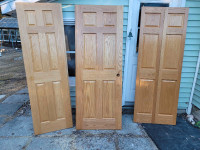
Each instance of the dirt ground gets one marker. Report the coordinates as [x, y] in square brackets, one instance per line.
[12, 73]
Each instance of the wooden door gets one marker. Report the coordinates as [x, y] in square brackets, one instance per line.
[171, 65]
[161, 46]
[44, 52]
[151, 27]
[99, 31]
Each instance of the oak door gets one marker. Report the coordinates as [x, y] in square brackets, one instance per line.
[170, 67]
[99, 31]
[161, 46]
[44, 53]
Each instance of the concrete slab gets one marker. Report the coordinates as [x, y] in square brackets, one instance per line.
[9, 109]
[2, 96]
[13, 143]
[18, 98]
[19, 126]
[53, 143]
[129, 143]
[2, 120]
[96, 131]
[94, 143]
[23, 91]
[129, 127]
[71, 138]
[27, 110]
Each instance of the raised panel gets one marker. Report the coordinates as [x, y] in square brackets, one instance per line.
[90, 19]
[172, 51]
[51, 41]
[42, 102]
[31, 19]
[60, 110]
[44, 52]
[90, 49]
[149, 52]
[50, 101]
[48, 17]
[145, 96]
[110, 18]
[109, 47]
[108, 99]
[152, 20]
[168, 98]
[176, 20]
[89, 98]
[35, 51]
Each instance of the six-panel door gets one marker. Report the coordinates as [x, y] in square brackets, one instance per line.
[98, 66]
[43, 45]
[162, 37]
[152, 20]
[170, 65]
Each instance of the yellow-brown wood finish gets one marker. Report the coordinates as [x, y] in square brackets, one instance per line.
[161, 46]
[99, 31]
[44, 53]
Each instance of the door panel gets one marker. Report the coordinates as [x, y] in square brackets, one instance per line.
[172, 51]
[175, 20]
[36, 57]
[90, 49]
[109, 18]
[160, 58]
[43, 45]
[145, 106]
[148, 62]
[171, 65]
[42, 101]
[109, 55]
[167, 99]
[152, 20]
[90, 19]
[108, 99]
[150, 49]
[89, 91]
[99, 66]
[147, 87]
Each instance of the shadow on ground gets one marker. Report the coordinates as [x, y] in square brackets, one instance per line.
[182, 136]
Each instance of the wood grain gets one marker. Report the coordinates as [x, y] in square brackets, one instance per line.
[171, 58]
[99, 31]
[43, 46]
[161, 46]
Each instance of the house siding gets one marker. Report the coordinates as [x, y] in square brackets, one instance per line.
[196, 96]
[195, 23]
[68, 10]
[192, 46]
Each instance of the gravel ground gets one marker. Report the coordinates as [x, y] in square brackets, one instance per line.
[12, 73]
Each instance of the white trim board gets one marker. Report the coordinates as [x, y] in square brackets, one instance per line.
[130, 68]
